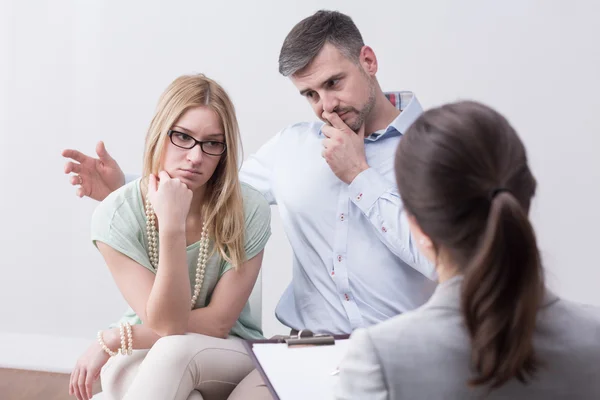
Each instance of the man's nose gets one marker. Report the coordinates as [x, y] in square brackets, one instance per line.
[330, 102]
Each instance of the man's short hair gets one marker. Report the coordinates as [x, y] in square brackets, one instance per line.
[308, 37]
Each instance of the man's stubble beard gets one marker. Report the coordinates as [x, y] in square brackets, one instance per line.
[364, 113]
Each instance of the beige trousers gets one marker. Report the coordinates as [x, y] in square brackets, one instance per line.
[251, 388]
[182, 367]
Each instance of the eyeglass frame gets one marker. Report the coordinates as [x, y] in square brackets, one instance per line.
[196, 143]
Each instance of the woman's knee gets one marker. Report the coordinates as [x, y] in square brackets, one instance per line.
[175, 349]
[251, 387]
[118, 373]
[181, 349]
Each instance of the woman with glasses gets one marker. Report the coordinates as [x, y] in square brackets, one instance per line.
[184, 244]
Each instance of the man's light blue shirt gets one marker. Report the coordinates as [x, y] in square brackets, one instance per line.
[355, 263]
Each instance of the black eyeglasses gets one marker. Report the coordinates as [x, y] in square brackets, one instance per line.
[185, 141]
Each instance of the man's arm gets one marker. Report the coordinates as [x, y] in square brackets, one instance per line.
[378, 199]
[257, 169]
[96, 177]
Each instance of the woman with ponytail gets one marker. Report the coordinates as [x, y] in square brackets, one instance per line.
[491, 329]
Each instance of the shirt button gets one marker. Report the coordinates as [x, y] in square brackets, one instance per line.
[347, 297]
[359, 197]
[383, 229]
[342, 217]
[339, 258]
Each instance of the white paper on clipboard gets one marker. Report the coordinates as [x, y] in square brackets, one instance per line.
[301, 372]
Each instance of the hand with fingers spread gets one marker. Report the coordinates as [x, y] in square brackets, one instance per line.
[97, 177]
[170, 199]
[343, 149]
[87, 369]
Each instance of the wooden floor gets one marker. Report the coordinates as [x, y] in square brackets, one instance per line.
[16, 384]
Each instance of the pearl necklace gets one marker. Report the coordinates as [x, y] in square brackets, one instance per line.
[153, 249]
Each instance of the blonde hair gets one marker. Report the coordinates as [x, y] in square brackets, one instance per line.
[223, 205]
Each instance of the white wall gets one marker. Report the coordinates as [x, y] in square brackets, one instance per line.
[74, 72]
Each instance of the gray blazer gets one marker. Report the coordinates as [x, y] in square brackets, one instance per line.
[424, 354]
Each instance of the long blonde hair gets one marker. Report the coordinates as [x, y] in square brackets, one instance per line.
[222, 210]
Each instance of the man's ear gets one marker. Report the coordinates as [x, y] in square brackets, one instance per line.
[368, 60]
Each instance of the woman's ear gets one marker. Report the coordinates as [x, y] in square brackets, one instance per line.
[424, 242]
[417, 232]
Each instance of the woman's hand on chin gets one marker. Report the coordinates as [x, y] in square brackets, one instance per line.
[170, 199]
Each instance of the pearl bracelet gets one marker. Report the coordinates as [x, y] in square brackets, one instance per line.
[104, 346]
[123, 348]
[129, 340]
[126, 349]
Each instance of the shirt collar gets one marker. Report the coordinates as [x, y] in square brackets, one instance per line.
[410, 109]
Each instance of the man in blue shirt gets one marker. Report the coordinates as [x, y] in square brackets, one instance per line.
[354, 262]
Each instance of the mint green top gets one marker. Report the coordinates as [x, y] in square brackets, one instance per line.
[120, 222]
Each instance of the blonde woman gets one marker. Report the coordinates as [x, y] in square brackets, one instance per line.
[184, 245]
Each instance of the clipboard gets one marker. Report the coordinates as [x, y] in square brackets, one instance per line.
[297, 358]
